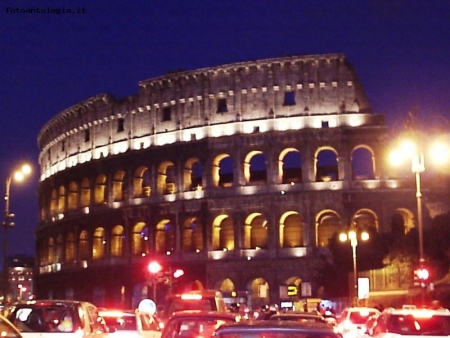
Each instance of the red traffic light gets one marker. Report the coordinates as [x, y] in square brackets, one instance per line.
[423, 274]
[178, 273]
[154, 267]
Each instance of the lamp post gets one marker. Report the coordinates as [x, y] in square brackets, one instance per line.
[352, 236]
[17, 175]
[417, 167]
[411, 148]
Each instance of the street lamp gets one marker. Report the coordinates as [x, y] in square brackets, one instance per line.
[17, 175]
[352, 236]
[411, 149]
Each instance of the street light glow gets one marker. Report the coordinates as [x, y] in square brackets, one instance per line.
[19, 175]
[396, 158]
[26, 169]
[364, 236]
[408, 148]
[352, 235]
[439, 153]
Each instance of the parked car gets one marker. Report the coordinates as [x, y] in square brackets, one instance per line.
[130, 324]
[275, 329]
[41, 318]
[412, 323]
[351, 322]
[195, 323]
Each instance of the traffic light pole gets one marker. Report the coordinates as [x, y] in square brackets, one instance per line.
[159, 275]
[423, 275]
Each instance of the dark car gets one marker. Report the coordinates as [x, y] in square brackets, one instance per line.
[275, 329]
[194, 323]
[299, 317]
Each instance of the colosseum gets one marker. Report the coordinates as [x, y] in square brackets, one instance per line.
[237, 174]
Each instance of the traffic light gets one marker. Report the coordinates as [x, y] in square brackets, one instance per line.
[154, 267]
[421, 276]
[178, 273]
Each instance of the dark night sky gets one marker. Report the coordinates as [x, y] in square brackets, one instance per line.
[49, 62]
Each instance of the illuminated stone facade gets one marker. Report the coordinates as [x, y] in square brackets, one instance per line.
[238, 174]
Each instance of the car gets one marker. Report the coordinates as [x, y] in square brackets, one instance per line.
[205, 300]
[68, 318]
[130, 324]
[196, 323]
[351, 322]
[275, 329]
[412, 322]
[7, 329]
[298, 317]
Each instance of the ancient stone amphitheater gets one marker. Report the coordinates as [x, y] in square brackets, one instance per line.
[238, 174]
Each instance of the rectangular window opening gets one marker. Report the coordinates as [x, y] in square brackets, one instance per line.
[289, 99]
[87, 135]
[120, 125]
[222, 105]
[166, 114]
[325, 124]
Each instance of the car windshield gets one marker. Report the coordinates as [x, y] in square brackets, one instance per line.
[181, 305]
[197, 327]
[43, 319]
[126, 323]
[425, 326]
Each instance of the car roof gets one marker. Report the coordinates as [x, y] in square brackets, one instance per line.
[52, 302]
[201, 313]
[359, 308]
[297, 314]
[205, 293]
[277, 325]
[418, 311]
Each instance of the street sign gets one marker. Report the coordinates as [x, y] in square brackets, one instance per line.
[306, 289]
[292, 290]
[363, 288]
